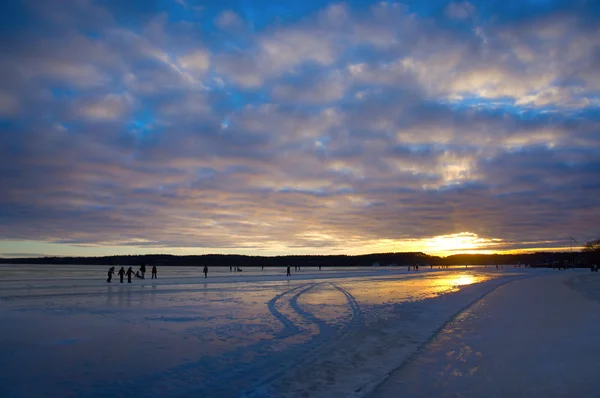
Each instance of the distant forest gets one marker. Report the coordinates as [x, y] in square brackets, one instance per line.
[540, 259]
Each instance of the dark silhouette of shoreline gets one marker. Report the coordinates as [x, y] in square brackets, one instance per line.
[540, 259]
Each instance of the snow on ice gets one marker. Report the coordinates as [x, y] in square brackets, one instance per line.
[335, 332]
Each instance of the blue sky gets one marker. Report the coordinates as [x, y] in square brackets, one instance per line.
[266, 127]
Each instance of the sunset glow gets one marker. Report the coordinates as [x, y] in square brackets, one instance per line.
[463, 242]
[314, 127]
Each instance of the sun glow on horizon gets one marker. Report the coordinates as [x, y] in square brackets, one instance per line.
[463, 242]
[442, 245]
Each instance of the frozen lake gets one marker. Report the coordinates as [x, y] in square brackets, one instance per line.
[66, 332]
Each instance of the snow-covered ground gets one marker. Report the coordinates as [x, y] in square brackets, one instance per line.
[536, 337]
[336, 332]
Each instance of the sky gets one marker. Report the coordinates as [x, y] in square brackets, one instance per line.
[309, 127]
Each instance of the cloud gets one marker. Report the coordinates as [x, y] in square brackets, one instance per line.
[228, 19]
[460, 10]
[108, 107]
[198, 61]
[9, 106]
[284, 48]
[183, 3]
[346, 128]
[25, 254]
[312, 89]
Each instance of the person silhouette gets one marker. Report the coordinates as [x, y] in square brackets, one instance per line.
[143, 270]
[205, 272]
[121, 273]
[111, 271]
[129, 273]
[288, 271]
[154, 272]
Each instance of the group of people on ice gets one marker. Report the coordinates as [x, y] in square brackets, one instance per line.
[140, 274]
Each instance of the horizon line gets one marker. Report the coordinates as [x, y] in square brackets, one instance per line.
[431, 254]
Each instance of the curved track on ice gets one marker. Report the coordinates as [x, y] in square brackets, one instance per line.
[326, 332]
[189, 380]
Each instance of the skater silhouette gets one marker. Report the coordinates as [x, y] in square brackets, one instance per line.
[111, 271]
[121, 273]
[129, 273]
[143, 270]
[154, 272]
[205, 272]
[288, 271]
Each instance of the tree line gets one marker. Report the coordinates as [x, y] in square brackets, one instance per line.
[539, 259]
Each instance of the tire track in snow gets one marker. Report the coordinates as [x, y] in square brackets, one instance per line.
[289, 327]
[323, 326]
[357, 314]
[186, 380]
[320, 342]
[301, 356]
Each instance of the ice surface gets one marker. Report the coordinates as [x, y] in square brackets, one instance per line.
[255, 333]
[534, 337]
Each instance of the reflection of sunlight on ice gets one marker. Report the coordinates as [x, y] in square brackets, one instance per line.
[328, 304]
[449, 283]
[414, 288]
[462, 280]
[324, 296]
